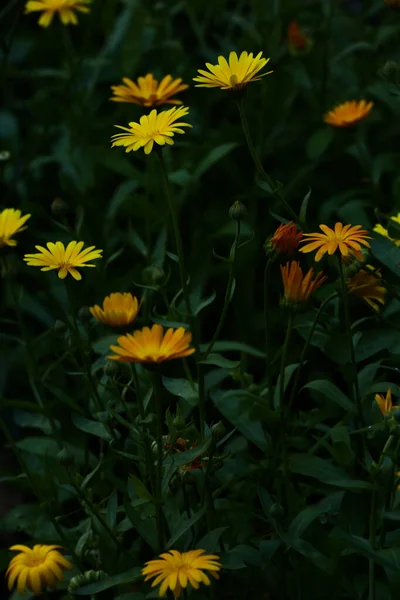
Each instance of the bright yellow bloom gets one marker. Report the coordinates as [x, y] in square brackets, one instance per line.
[382, 231]
[118, 309]
[147, 91]
[65, 9]
[11, 222]
[35, 568]
[235, 75]
[368, 286]
[174, 570]
[346, 239]
[348, 113]
[152, 345]
[159, 128]
[298, 288]
[286, 238]
[66, 260]
[385, 402]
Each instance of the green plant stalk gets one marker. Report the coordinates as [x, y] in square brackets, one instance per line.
[259, 168]
[157, 393]
[267, 329]
[282, 432]
[143, 434]
[327, 53]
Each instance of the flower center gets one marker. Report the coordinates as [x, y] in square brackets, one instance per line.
[34, 560]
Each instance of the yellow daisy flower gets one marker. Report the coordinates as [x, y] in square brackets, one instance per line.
[147, 91]
[118, 309]
[382, 231]
[368, 286]
[65, 9]
[236, 74]
[152, 345]
[385, 402]
[298, 287]
[11, 222]
[175, 570]
[66, 260]
[348, 113]
[35, 568]
[345, 238]
[159, 128]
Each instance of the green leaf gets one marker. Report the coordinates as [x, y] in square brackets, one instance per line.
[102, 346]
[289, 370]
[387, 253]
[146, 528]
[219, 361]
[81, 543]
[240, 556]
[332, 393]
[330, 504]
[112, 506]
[226, 346]
[313, 466]
[184, 526]
[99, 586]
[93, 427]
[183, 389]
[304, 206]
[210, 541]
[315, 556]
[205, 302]
[214, 156]
[319, 142]
[363, 547]
[342, 450]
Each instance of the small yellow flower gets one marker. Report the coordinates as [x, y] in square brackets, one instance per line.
[66, 260]
[385, 402]
[368, 286]
[35, 568]
[286, 238]
[343, 238]
[11, 222]
[118, 309]
[348, 113]
[236, 74]
[382, 231]
[65, 9]
[298, 288]
[159, 128]
[152, 345]
[175, 570]
[147, 91]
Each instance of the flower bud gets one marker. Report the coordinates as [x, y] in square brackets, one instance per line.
[237, 211]
[88, 577]
[152, 275]
[218, 430]
[59, 207]
[390, 72]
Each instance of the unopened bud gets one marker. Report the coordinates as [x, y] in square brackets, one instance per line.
[218, 430]
[237, 211]
[152, 275]
[59, 207]
[60, 327]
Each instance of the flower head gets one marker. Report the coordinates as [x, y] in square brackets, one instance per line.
[174, 570]
[298, 288]
[368, 286]
[298, 41]
[348, 113]
[11, 222]
[35, 568]
[345, 238]
[152, 345]
[66, 260]
[393, 4]
[382, 231]
[147, 91]
[286, 238]
[385, 402]
[118, 309]
[234, 75]
[159, 128]
[65, 9]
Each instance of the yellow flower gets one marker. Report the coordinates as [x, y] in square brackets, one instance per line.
[159, 128]
[11, 222]
[286, 238]
[35, 568]
[298, 288]
[118, 309]
[66, 260]
[348, 113]
[235, 75]
[368, 286]
[174, 570]
[385, 402]
[382, 231]
[147, 91]
[152, 345]
[346, 239]
[65, 9]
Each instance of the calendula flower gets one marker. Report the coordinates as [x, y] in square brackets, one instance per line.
[118, 309]
[35, 568]
[393, 4]
[286, 239]
[66, 260]
[298, 288]
[175, 570]
[348, 113]
[147, 91]
[382, 231]
[385, 402]
[64, 8]
[159, 128]
[152, 345]
[11, 222]
[343, 238]
[368, 286]
[236, 74]
[298, 41]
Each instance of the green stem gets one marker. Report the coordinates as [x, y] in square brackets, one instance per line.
[267, 329]
[372, 539]
[260, 169]
[157, 392]
[327, 53]
[282, 428]
[143, 433]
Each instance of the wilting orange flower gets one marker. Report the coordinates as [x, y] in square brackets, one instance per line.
[118, 309]
[348, 113]
[286, 238]
[235, 74]
[345, 238]
[297, 39]
[147, 91]
[35, 568]
[368, 286]
[182, 445]
[385, 402]
[298, 288]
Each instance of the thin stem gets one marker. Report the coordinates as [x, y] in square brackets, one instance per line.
[327, 53]
[283, 364]
[143, 434]
[372, 539]
[159, 440]
[267, 328]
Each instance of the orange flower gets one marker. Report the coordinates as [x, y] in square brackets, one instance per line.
[297, 39]
[385, 402]
[348, 113]
[286, 238]
[345, 238]
[298, 288]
